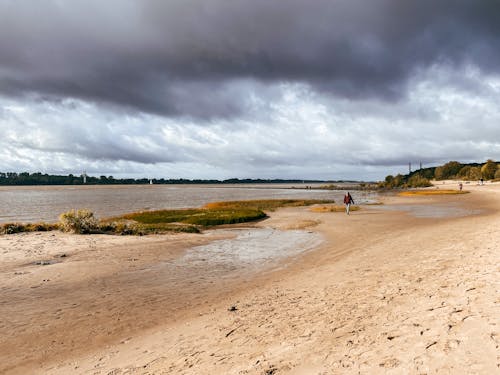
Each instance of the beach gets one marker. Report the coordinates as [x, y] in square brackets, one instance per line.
[381, 291]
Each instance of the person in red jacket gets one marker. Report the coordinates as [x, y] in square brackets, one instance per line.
[347, 201]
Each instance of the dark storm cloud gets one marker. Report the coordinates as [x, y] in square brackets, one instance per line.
[190, 57]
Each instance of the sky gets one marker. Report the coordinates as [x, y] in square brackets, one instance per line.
[300, 89]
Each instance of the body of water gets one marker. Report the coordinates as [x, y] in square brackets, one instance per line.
[46, 203]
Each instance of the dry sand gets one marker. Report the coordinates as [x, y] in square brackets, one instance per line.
[385, 293]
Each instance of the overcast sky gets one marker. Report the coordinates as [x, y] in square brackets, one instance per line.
[308, 89]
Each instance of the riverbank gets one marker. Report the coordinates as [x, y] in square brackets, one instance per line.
[386, 292]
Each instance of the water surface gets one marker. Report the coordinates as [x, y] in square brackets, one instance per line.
[45, 203]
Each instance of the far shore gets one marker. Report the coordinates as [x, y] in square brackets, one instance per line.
[385, 292]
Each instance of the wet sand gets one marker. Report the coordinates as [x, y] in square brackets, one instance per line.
[384, 292]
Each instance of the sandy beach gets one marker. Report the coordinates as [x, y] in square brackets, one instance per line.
[385, 291]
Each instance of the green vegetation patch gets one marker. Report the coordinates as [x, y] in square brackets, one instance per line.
[202, 216]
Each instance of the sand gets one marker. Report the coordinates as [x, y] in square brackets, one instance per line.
[384, 292]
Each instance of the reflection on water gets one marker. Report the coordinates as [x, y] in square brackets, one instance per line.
[251, 248]
[45, 203]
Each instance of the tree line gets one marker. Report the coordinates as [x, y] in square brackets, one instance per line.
[452, 170]
[25, 178]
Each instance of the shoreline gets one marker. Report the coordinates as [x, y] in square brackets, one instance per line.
[318, 313]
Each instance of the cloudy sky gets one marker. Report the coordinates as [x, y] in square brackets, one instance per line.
[316, 89]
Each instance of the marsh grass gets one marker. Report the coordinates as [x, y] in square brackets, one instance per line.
[212, 214]
[161, 221]
[202, 217]
[416, 193]
[333, 208]
[266, 204]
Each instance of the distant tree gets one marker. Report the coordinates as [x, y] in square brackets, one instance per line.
[497, 174]
[464, 171]
[489, 169]
[448, 170]
[418, 181]
[389, 180]
[427, 173]
[470, 173]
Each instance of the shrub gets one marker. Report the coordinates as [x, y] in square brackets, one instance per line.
[78, 221]
[11, 228]
[40, 227]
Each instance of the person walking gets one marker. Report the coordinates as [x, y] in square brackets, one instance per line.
[347, 201]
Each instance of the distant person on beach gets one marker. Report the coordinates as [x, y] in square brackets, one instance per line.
[460, 186]
[347, 201]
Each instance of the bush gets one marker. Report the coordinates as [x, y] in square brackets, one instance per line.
[11, 228]
[80, 221]
[41, 227]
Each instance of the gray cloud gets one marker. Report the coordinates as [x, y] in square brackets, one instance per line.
[189, 57]
[302, 135]
[263, 88]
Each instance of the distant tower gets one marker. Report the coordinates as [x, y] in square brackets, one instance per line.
[420, 165]
[84, 175]
[409, 167]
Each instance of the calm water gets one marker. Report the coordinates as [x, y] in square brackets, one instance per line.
[45, 203]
